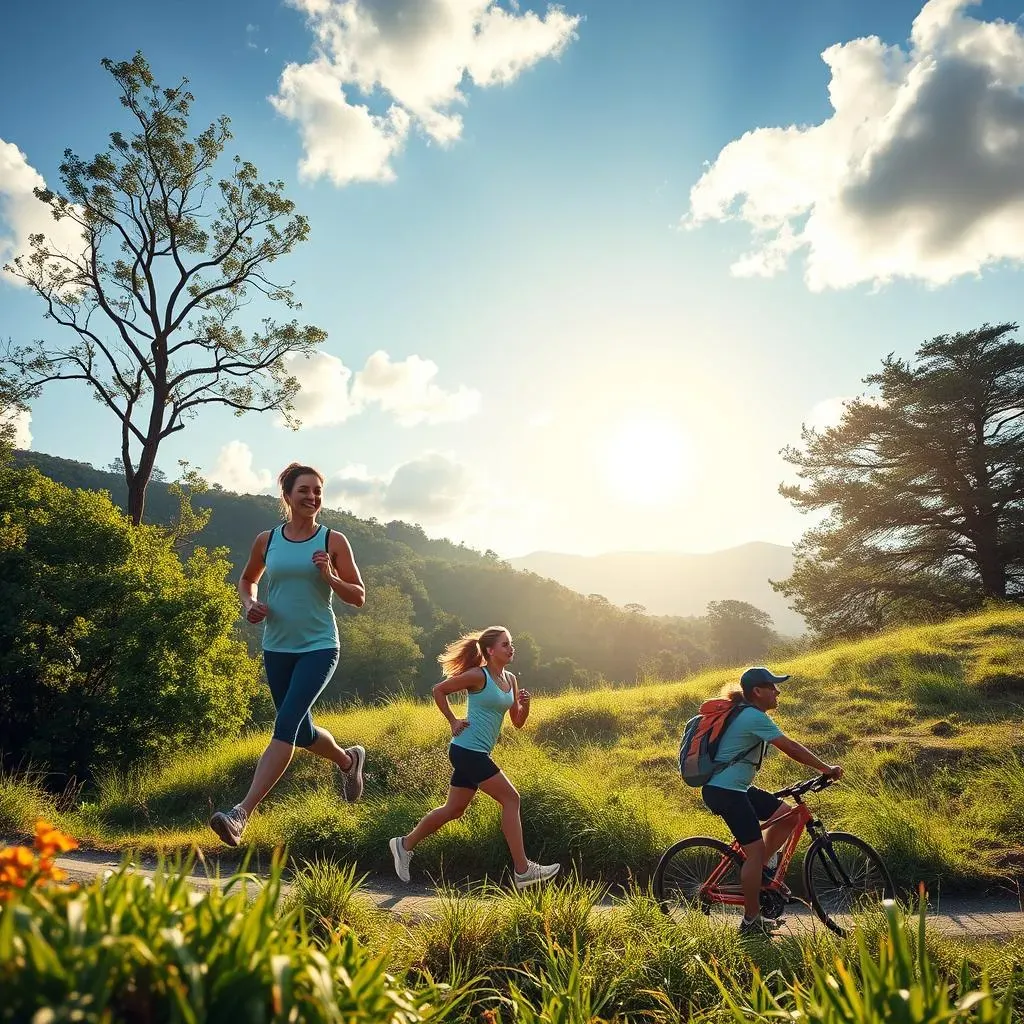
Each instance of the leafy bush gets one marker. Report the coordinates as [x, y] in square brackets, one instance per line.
[112, 650]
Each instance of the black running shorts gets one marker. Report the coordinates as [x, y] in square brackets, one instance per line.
[742, 812]
[470, 767]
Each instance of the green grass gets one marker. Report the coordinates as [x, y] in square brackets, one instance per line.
[135, 949]
[926, 720]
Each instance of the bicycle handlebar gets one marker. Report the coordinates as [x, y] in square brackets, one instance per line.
[815, 785]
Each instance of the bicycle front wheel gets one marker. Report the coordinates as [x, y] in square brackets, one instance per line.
[695, 874]
[844, 876]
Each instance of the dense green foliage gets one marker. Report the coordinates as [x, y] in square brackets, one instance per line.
[135, 950]
[923, 482]
[112, 649]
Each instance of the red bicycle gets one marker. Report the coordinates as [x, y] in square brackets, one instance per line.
[843, 875]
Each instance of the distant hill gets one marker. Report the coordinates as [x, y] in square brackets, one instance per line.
[672, 583]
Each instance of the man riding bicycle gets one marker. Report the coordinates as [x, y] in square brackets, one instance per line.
[760, 821]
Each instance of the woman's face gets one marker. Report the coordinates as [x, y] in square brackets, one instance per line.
[503, 650]
[306, 495]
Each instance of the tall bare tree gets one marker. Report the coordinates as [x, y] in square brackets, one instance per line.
[169, 257]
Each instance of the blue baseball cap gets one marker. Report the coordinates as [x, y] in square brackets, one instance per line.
[760, 676]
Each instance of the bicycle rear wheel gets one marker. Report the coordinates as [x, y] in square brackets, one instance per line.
[680, 879]
[844, 876]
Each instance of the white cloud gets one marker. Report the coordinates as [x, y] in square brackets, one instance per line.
[22, 215]
[20, 420]
[407, 390]
[827, 413]
[234, 471]
[323, 398]
[330, 393]
[410, 58]
[430, 488]
[918, 173]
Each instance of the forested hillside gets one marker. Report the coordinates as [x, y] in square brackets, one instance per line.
[423, 592]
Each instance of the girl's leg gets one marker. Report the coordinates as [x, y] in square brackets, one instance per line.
[459, 798]
[269, 768]
[499, 788]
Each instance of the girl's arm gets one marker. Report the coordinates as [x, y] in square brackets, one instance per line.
[520, 709]
[468, 680]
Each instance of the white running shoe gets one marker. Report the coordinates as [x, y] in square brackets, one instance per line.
[352, 780]
[534, 873]
[229, 824]
[403, 857]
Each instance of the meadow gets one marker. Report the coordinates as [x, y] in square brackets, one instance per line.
[927, 722]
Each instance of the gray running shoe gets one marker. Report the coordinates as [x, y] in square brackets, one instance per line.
[352, 780]
[403, 857]
[534, 874]
[229, 824]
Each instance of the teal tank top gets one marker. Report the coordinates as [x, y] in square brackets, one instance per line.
[485, 713]
[301, 616]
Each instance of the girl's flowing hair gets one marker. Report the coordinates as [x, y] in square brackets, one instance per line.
[469, 651]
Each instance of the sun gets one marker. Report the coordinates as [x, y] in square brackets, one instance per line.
[646, 460]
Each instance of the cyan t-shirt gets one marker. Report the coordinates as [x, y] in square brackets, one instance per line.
[750, 728]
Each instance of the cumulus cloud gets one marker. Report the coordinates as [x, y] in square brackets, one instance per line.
[407, 390]
[22, 215]
[918, 173]
[234, 471]
[18, 421]
[409, 59]
[430, 488]
[331, 393]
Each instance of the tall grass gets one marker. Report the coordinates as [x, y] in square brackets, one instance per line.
[134, 949]
[923, 719]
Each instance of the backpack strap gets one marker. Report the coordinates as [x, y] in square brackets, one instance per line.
[743, 705]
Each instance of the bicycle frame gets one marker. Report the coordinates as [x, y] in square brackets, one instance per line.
[734, 897]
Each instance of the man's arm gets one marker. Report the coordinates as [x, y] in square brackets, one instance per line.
[799, 753]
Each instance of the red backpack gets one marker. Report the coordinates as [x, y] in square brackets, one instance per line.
[701, 738]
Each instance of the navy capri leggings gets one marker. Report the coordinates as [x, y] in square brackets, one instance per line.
[296, 680]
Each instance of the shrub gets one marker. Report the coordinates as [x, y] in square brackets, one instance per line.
[112, 650]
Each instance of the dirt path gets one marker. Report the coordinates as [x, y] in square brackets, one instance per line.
[967, 918]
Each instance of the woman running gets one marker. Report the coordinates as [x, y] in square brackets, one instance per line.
[477, 663]
[306, 565]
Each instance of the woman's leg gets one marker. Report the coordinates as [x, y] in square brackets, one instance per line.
[499, 788]
[459, 798]
[281, 668]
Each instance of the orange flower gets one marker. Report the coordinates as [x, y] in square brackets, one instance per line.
[17, 857]
[49, 840]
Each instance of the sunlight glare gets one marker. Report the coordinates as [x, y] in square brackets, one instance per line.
[646, 461]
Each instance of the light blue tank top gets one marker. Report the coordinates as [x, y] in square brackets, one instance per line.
[485, 713]
[301, 618]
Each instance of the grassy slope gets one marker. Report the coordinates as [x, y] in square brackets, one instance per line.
[927, 721]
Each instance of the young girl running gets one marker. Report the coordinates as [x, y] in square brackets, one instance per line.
[477, 663]
[307, 564]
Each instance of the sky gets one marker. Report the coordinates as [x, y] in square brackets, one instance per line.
[585, 270]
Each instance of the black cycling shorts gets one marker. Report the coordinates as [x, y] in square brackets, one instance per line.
[470, 767]
[742, 812]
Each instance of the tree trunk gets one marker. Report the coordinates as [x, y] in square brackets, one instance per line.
[990, 566]
[139, 482]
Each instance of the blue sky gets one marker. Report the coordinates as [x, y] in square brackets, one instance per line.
[605, 379]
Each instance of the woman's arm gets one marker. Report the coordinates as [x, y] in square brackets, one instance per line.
[248, 583]
[338, 567]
